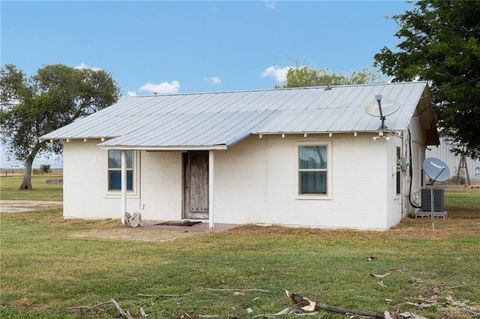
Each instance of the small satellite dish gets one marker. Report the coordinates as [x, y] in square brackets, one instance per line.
[381, 109]
[436, 170]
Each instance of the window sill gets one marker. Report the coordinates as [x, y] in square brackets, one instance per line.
[314, 197]
[118, 194]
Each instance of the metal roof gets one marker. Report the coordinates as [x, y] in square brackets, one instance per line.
[220, 119]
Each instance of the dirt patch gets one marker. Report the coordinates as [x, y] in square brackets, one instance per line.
[151, 231]
[22, 206]
[151, 234]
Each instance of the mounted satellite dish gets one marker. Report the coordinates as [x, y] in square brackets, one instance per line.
[381, 109]
[433, 199]
[436, 170]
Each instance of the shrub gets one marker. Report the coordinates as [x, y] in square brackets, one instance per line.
[45, 168]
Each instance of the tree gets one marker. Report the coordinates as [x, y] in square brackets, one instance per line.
[45, 168]
[54, 97]
[305, 77]
[440, 43]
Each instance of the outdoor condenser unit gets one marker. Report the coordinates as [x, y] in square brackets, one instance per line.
[438, 200]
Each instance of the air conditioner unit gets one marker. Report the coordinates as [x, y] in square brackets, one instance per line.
[438, 201]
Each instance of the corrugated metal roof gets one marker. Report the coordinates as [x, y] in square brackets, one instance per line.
[208, 120]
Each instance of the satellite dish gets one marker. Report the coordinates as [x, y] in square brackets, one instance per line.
[381, 109]
[436, 170]
[388, 108]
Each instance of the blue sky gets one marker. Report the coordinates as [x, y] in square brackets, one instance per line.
[196, 46]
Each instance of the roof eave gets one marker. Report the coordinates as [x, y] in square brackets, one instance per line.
[165, 148]
[428, 118]
[324, 132]
[60, 138]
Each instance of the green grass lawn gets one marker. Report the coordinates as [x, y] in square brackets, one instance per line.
[41, 190]
[45, 270]
[464, 200]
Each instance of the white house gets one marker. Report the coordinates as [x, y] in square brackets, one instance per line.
[305, 156]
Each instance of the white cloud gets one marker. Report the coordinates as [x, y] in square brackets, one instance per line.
[132, 93]
[270, 4]
[161, 88]
[214, 80]
[84, 66]
[277, 72]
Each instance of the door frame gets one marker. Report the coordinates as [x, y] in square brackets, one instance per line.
[187, 214]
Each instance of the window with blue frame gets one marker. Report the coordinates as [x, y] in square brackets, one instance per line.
[115, 170]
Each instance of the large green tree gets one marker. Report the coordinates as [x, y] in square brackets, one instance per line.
[439, 42]
[305, 76]
[55, 96]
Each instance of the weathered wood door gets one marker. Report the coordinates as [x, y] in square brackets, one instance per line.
[195, 183]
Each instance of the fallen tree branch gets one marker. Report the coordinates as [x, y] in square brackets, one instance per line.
[340, 310]
[380, 275]
[163, 295]
[124, 313]
[237, 289]
[308, 305]
[143, 313]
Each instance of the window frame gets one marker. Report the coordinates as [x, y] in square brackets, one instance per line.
[398, 171]
[328, 195]
[117, 193]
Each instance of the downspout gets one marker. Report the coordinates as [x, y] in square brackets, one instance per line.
[123, 156]
[402, 189]
[211, 183]
[410, 169]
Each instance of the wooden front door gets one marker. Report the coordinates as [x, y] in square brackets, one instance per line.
[195, 185]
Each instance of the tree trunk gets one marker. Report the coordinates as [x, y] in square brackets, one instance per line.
[27, 176]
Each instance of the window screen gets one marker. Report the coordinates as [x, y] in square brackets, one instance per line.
[312, 169]
[115, 170]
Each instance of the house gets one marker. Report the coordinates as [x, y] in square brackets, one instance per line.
[305, 156]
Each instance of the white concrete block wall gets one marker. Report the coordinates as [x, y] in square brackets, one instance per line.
[161, 180]
[85, 179]
[394, 201]
[255, 182]
[399, 206]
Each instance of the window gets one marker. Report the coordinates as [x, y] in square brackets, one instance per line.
[115, 170]
[312, 170]
[398, 171]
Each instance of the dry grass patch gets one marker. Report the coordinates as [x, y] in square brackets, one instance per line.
[135, 234]
[408, 229]
[22, 206]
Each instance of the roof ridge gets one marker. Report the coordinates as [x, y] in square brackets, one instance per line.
[279, 89]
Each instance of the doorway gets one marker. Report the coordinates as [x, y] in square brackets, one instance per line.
[195, 185]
